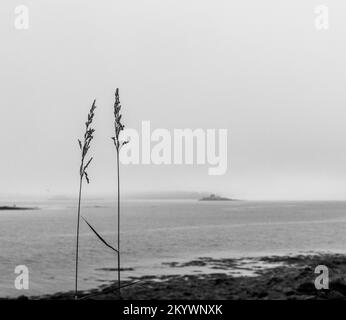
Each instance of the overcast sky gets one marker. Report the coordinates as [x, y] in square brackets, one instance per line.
[257, 68]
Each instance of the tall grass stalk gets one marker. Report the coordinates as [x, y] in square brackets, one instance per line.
[84, 147]
[118, 127]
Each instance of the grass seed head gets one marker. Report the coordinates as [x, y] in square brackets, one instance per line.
[85, 146]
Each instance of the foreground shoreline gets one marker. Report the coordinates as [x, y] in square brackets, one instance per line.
[292, 277]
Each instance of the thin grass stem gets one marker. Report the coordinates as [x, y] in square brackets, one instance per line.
[77, 237]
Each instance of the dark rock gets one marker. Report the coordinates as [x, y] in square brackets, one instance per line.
[262, 294]
[307, 288]
[335, 295]
[338, 285]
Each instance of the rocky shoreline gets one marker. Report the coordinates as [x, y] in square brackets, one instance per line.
[293, 277]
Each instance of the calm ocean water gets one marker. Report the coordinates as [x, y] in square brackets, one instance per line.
[154, 232]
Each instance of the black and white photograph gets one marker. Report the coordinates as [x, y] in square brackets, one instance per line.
[172, 150]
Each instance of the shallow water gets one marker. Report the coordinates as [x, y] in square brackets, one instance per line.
[154, 232]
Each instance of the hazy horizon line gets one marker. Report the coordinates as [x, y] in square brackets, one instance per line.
[147, 195]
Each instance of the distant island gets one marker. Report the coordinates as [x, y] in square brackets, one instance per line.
[214, 197]
[14, 207]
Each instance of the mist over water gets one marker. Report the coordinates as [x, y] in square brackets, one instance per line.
[154, 232]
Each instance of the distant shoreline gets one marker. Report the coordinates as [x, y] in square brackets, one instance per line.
[14, 208]
[214, 197]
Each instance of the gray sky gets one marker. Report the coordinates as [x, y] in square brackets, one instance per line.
[258, 68]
